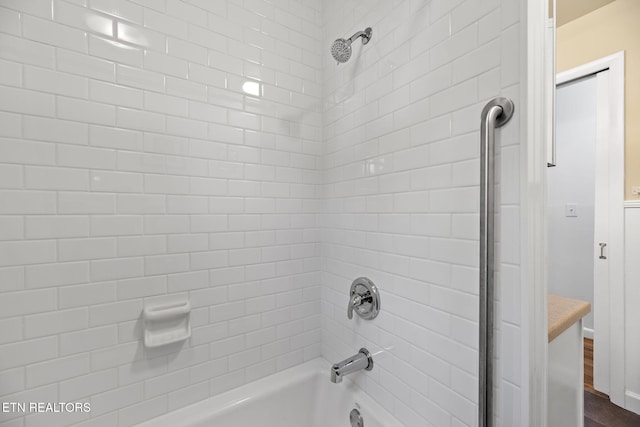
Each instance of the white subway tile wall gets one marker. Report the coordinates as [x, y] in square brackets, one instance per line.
[152, 150]
[401, 200]
[213, 151]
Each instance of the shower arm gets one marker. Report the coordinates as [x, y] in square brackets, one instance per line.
[366, 36]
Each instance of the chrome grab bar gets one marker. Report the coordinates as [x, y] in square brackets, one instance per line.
[495, 114]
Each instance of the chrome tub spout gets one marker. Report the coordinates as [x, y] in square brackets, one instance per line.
[362, 360]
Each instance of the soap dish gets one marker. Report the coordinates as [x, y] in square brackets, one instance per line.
[166, 324]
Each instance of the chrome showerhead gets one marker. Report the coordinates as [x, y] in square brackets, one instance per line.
[341, 48]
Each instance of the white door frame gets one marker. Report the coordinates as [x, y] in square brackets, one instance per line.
[535, 78]
[609, 300]
[536, 75]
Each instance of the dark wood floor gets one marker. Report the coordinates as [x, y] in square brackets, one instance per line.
[598, 410]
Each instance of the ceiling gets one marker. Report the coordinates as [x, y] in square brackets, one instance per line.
[568, 10]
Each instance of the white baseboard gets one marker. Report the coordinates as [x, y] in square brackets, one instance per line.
[632, 402]
[588, 333]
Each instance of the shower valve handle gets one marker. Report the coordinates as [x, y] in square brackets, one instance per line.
[354, 301]
[364, 299]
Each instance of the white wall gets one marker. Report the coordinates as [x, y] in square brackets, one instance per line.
[572, 181]
[133, 166]
[401, 129]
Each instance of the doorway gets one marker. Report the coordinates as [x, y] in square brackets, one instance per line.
[585, 210]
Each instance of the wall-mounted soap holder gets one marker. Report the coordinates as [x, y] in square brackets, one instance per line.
[166, 323]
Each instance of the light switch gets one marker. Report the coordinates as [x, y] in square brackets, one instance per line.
[570, 210]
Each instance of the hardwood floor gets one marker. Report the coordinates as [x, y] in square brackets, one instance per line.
[588, 368]
[598, 410]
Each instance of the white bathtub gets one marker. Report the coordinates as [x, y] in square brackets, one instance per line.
[299, 396]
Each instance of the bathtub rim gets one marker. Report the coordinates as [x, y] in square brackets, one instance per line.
[228, 400]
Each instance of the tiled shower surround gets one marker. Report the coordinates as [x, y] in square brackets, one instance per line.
[163, 150]
[401, 200]
[153, 149]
